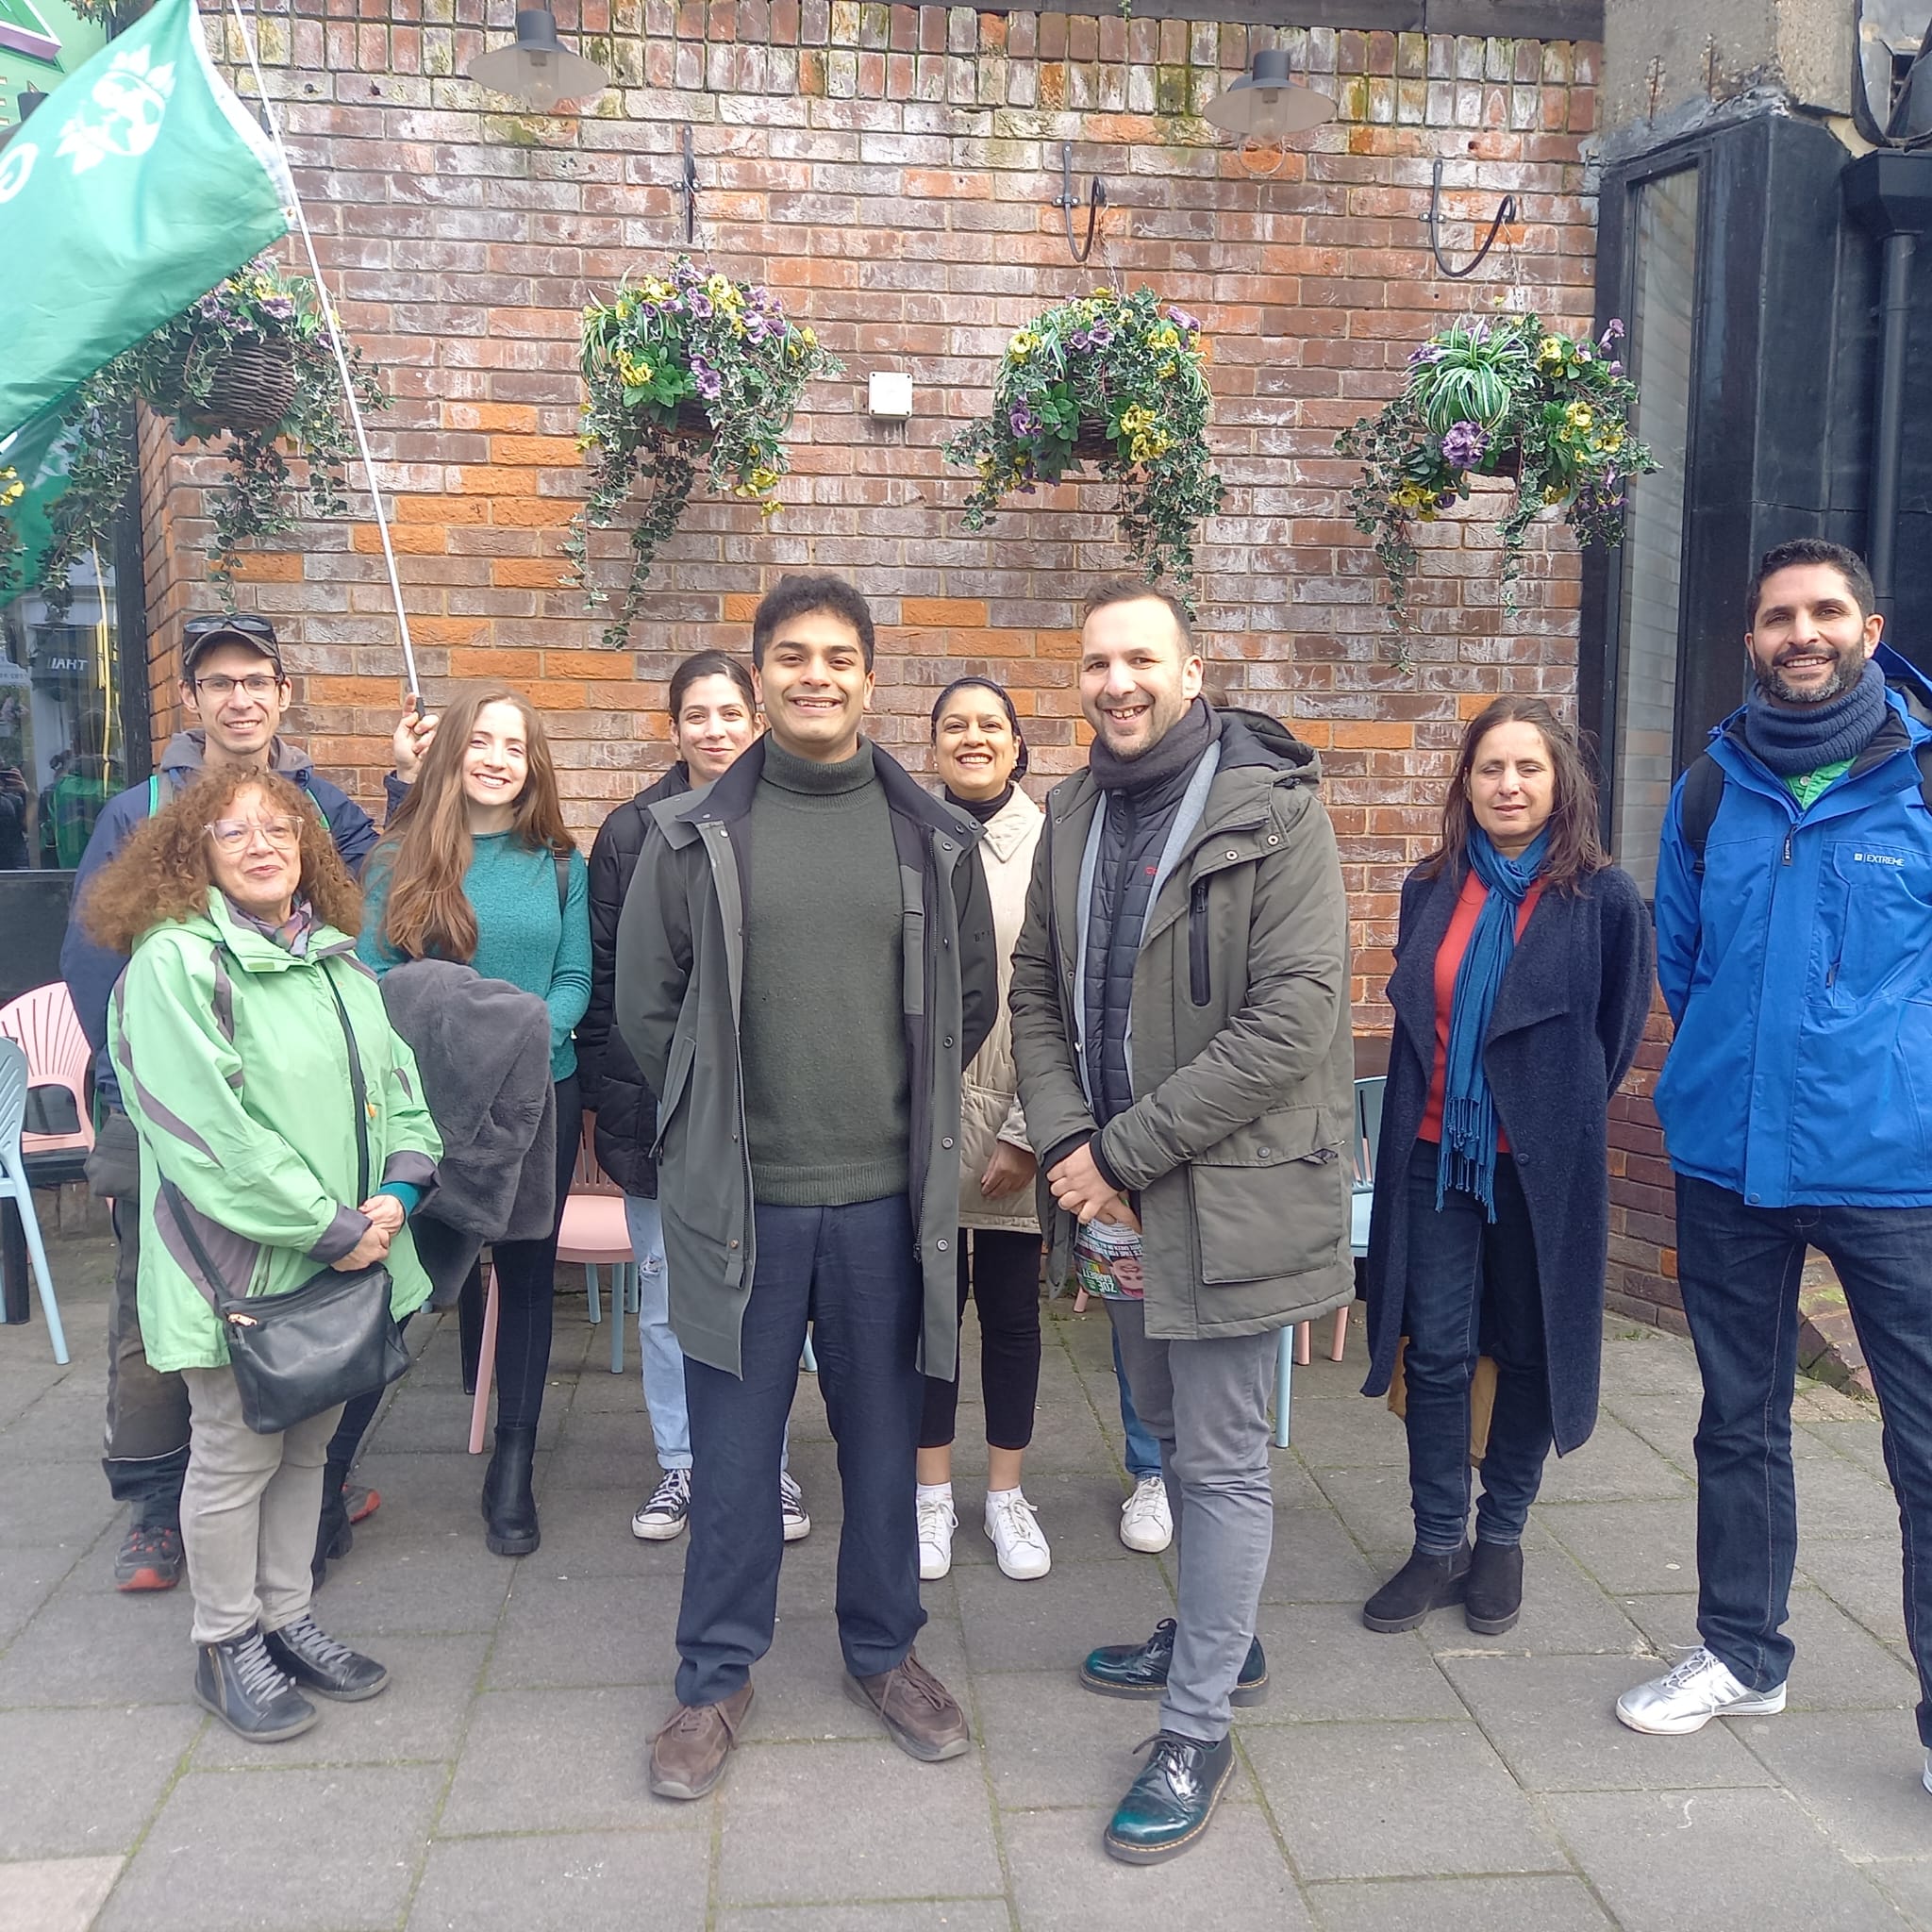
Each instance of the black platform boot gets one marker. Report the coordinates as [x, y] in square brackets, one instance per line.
[1422, 1584]
[509, 1511]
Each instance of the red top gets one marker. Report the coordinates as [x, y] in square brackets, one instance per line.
[1468, 905]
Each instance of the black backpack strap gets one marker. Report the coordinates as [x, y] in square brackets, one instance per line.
[561, 861]
[1704, 790]
[1923, 755]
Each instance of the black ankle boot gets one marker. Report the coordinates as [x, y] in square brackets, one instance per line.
[1494, 1599]
[315, 1661]
[1422, 1584]
[333, 1535]
[248, 1690]
[509, 1511]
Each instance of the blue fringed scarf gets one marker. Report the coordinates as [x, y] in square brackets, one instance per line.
[1468, 1157]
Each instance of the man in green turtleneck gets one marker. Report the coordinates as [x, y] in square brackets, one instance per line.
[805, 964]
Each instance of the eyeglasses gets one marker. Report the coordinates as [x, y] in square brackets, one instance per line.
[245, 622]
[231, 835]
[257, 684]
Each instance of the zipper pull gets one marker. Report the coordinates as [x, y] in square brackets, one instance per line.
[1788, 848]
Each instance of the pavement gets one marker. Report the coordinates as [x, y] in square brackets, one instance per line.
[1434, 1780]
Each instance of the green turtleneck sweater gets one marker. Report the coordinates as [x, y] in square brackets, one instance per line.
[827, 1106]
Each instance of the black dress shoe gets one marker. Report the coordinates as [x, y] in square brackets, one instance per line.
[1140, 1670]
[1494, 1600]
[245, 1688]
[509, 1509]
[1422, 1584]
[317, 1662]
[1168, 1806]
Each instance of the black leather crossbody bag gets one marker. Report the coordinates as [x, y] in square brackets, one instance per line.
[325, 1341]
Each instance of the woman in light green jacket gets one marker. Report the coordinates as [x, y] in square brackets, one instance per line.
[231, 1031]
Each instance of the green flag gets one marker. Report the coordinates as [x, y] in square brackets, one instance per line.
[35, 459]
[140, 183]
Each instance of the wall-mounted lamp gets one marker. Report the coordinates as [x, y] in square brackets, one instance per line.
[27, 99]
[537, 67]
[1267, 103]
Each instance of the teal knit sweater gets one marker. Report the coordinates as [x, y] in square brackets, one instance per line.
[519, 934]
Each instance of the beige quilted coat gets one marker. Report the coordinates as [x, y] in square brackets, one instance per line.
[989, 1104]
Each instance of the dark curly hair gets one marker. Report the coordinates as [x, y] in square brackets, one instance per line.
[161, 875]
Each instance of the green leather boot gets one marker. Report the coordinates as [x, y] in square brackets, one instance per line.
[1168, 1806]
[1140, 1670]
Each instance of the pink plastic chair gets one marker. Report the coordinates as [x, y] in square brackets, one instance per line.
[594, 1232]
[48, 1031]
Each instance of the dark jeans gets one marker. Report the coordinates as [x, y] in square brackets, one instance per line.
[1737, 1267]
[1473, 1290]
[1004, 1279]
[525, 1293]
[851, 1271]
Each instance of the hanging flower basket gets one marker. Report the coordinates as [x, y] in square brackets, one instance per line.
[1506, 398]
[683, 370]
[248, 367]
[1111, 380]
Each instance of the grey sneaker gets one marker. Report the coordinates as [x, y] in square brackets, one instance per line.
[1687, 1698]
[665, 1514]
[791, 1508]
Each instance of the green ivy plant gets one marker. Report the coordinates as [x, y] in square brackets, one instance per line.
[177, 372]
[683, 369]
[1503, 398]
[1128, 376]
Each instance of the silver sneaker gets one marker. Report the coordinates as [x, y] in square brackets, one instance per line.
[791, 1508]
[1925, 1776]
[668, 1509]
[1687, 1698]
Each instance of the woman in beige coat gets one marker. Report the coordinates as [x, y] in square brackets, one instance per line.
[981, 755]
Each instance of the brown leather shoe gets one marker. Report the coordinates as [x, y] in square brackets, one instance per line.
[688, 1754]
[918, 1712]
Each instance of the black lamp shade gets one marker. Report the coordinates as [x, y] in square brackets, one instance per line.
[1267, 103]
[537, 67]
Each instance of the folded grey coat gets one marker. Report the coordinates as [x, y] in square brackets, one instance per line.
[482, 1047]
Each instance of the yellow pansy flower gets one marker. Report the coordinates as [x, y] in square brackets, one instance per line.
[1578, 416]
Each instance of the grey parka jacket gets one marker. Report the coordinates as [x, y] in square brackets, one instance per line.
[680, 971]
[1243, 1069]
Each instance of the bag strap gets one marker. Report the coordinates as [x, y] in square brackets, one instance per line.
[212, 1284]
[561, 861]
[1704, 790]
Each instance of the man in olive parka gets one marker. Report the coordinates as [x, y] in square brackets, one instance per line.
[1185, 1063]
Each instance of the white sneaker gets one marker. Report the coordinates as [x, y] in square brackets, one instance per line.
[1016, 1538]
[1687, 1698]
[1146, 1522]
[791, 1508]
[666, 1509]
[937, 1523]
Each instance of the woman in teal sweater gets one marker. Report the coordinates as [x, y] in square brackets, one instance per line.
[476, 866]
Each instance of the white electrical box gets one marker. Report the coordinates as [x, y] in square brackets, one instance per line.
[889, 395]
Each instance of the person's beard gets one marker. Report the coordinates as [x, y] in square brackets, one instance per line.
[1850, 669]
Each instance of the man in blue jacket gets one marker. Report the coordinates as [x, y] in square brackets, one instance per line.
[1794, 949]
[234, 689]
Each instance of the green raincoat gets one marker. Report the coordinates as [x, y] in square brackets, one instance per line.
[235, 1071]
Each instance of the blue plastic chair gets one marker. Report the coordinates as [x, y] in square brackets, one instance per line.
[1368, 1131]
[14, 1185]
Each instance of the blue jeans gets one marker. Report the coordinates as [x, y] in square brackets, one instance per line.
[1472, 1290]
[662, 1358]
[1737, 1267]
[1143, 1452]
[852, 1272]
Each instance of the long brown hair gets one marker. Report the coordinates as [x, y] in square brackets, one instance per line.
[427, 849]
[161, 873]
[1575, 849]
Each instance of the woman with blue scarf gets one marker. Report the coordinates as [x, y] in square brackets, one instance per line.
[1522, 982]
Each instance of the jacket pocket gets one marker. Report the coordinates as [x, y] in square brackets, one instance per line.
[1199, 986]
[1874, 903]
[676, 1078]
[1272, 1199]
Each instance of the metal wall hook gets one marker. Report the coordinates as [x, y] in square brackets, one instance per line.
[686, 188]
[1067, 202]
[1507, 212]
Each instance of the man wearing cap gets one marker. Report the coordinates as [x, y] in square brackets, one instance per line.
[234, 691]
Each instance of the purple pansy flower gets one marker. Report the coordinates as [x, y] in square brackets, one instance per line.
[1181, 319]
[700, 303]
[710, 384]
[1464, 444]
[1022, 420]
[1430, 352]
[1100, 335]
[1613, 333]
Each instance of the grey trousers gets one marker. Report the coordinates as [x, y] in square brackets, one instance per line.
[248, 1511]
[1206, 1403]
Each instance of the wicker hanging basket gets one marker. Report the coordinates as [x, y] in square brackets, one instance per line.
[1093, 444]
[251, 385]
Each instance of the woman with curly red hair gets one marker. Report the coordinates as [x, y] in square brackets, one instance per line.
[240, 1032]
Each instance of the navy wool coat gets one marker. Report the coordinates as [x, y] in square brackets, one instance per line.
[1565, 1027]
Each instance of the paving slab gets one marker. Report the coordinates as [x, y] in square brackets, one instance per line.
[1857, 1774]
[1564, 1612]
[280, 1851]
[80, 1784]
[1628, 1547]
[1396, 1800]
[587, 1630]
[895, 1915]
[1615, 1465]
[1064, 1882]
[1315, 1560]
[86, 1648]
[1323, 1664]
[1685, 1861]
[56, 1894]
[587, 1881]
[1025, 1626]
[1459, 1904]
[898, 1829]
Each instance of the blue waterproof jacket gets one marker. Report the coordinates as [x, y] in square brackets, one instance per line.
[1798, 968]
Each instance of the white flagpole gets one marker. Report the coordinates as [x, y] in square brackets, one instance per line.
[328, 310]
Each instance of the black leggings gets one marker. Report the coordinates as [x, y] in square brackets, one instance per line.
[1004, 1279]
